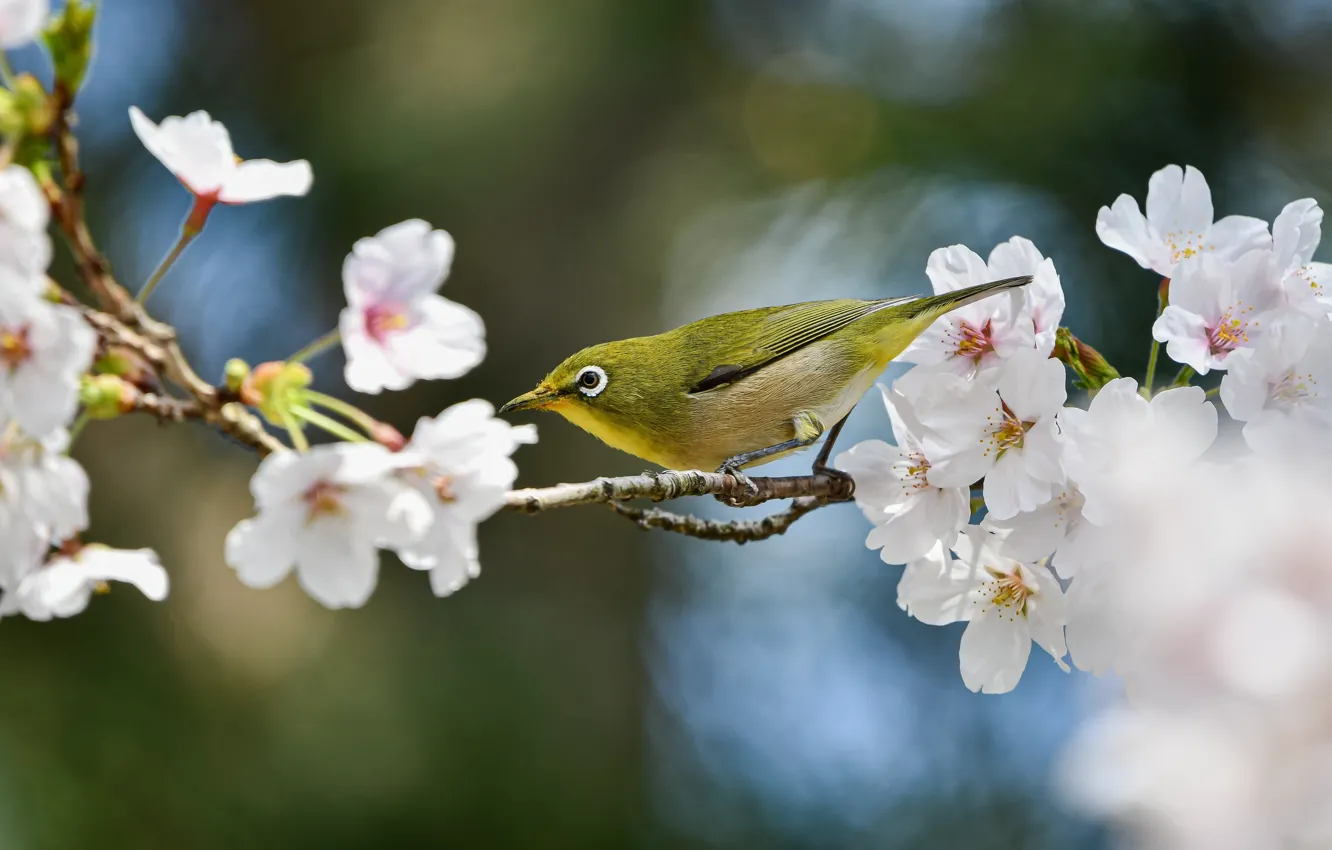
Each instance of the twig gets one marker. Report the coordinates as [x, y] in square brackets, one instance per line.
[206, 402]
[737, 531]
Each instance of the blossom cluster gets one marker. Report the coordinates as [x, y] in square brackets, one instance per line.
[985, 409]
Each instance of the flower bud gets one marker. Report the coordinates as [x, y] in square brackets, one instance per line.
[69, 38]
[274, 387]
[34, 107]
[235, 374]
[106, 396]
[1090, 368]
[388, 436]
[124, 363]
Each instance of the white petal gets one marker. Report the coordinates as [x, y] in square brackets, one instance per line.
[1185, 424]
[1123, 228]
[261, 551]
[1010, 487]
[1236, 235]
[24, 215]
[1296, 233]
[195, 148]
[139, 567]
[447, 341]
[397, 265]
[368, 369]
[994, 651]
[1186, 338]
[955, 267]
[21, 21]
[262, 179]
[906, 534]
[336, 566]
[1032, 385]
[929, 591]
[1033, 535]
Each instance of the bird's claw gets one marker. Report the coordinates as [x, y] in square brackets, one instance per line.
[751, 489]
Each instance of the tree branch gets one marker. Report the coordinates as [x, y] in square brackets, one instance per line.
[809, 491]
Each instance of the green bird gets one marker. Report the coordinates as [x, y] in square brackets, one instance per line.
[740, 389]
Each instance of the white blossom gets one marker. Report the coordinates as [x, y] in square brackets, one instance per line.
[25, 213]
[1178, 224]
[43, 499]
[63, 586]
[1282, 388]
[1008, 605]
[44, 349]
[197, 150]
[895, 490]
[1217, 307]
[1000, 425]
[464, 475]
[979, 335]
[396, 329]
[324, 513]
[21, 21]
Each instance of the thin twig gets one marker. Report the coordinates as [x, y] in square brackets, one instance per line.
[736, 531]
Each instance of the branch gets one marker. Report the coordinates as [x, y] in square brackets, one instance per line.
[809, 491]
[206, 403]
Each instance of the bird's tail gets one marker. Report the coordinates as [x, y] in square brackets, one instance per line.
[935, 306]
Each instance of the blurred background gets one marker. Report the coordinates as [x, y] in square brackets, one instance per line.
[608, 169]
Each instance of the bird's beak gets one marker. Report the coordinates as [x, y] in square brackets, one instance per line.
[538, 399]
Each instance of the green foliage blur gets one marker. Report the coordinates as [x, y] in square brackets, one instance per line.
[567, 145]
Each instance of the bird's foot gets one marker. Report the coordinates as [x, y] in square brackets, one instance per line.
[750, 488]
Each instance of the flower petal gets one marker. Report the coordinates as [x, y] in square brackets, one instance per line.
[994, 651]
[262, 179]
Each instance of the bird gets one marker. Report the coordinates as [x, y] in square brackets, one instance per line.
[740, 389]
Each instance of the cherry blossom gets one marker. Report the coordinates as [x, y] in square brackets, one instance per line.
[198, 151]
[1295, 236]
[63, 586]
[1217, 307]
[1178, 224]
[1054, 530]
[43, 491]
[324, 513]
[465, 474]
[1282, 388]
[1000, 426]
[21, 21]
[25, 246]
[896, 492]
[979, 335]
[44, 349]
[396, 329]
[1009, 605]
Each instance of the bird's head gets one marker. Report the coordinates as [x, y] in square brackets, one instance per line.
[602, 382]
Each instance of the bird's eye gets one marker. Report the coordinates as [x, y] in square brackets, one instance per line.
[591, 380]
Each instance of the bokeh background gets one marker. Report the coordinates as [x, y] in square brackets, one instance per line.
[608, 169]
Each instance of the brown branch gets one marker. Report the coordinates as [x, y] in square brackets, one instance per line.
[205, 403]
[737, 531]
[810, 492]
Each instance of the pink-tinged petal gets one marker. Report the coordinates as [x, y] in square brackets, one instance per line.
[261, 551]
[1236, 235]
[448, 341]
[369, 368]
[994, 651]
[1123, 228]
[1164, 190]
[955, 267]
[262, 179]
[397, 265]
[1186, 338]
[1296, 233]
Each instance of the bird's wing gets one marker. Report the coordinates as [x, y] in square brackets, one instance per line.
[786, 329]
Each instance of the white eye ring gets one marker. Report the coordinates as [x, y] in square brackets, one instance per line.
[591, 381]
